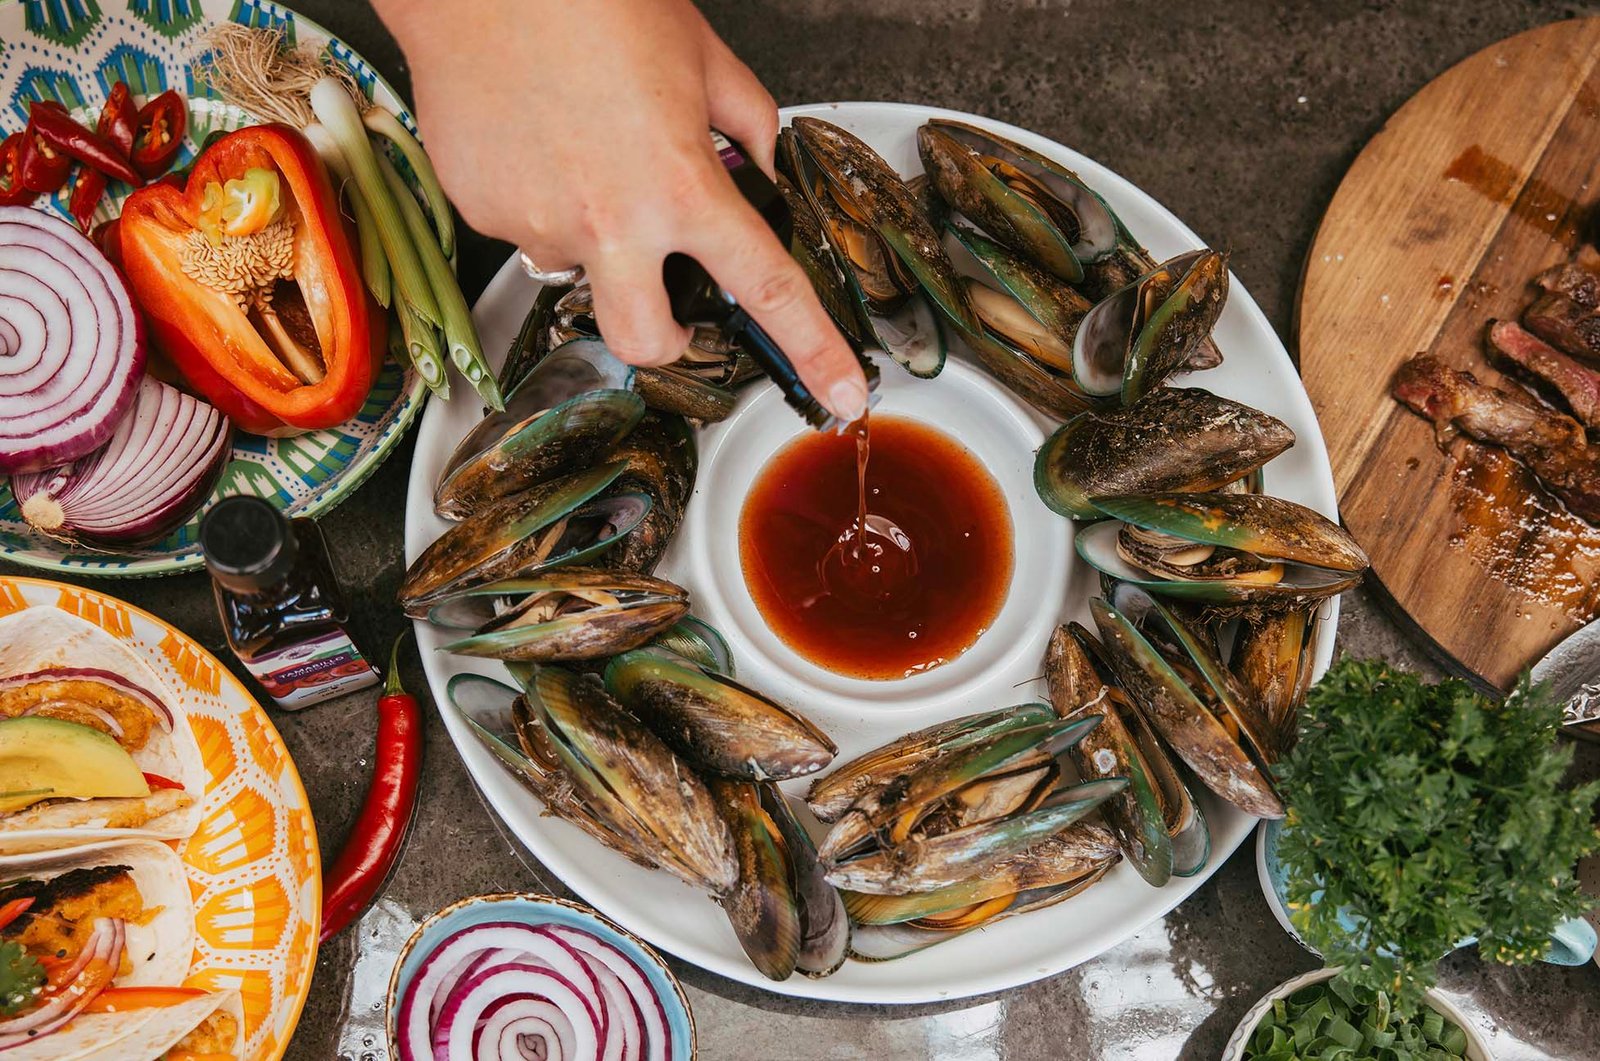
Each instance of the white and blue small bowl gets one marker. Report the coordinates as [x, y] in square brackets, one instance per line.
[531, 908]
[1572, 943]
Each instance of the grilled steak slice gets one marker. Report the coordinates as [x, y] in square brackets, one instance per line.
[1565, 324]
[1552, 446]
[1574, 281]
[1577, 383]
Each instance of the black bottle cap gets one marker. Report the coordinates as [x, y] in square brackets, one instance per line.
[248, 544]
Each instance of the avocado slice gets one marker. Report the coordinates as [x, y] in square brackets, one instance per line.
[46, 758]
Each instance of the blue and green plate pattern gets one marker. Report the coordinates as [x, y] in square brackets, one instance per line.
[74, 51]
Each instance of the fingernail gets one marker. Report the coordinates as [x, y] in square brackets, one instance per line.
[848, 399]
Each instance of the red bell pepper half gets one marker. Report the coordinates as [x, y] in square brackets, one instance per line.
[300, 352]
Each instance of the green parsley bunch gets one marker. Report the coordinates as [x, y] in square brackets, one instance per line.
[1428, 814]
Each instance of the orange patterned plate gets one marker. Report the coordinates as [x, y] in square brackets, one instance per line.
[253, 864]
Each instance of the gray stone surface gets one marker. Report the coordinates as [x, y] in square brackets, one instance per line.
[1240, 117]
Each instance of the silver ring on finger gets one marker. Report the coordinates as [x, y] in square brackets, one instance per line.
[553, 277]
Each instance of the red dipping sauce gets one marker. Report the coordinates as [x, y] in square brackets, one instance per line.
[917, 590]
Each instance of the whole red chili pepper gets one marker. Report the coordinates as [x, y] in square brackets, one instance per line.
[159, 133]
[52, 122]
[116, 125]
[12, 190]
[380, 830]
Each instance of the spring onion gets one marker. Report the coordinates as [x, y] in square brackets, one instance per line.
[374, 263]
[461, 336]
[389, 127]
[421, 344]
[337, 113]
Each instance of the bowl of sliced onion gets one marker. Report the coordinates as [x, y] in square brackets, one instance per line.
[521, 975]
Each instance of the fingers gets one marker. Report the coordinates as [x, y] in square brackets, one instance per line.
[744, 256]
[631, 308]
[739, 104]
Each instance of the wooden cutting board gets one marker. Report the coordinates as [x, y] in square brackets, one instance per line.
[1486, 177]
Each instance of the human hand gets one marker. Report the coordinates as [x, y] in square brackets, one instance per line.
[579, 132]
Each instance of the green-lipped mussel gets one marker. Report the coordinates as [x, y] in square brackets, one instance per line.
[716, 724]
[1055, 869]
[569, 613]
[565, 415]
[506, 722]
[1032, 204]
[1173, 439]
[1235, 551]
[659, 460]
[1139, 335]
[563, 521]
[1170, 670]
[1272, 662]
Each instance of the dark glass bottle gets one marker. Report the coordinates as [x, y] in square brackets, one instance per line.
[699, 301]
[282, 608]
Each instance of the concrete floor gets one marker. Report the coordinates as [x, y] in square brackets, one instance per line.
[1241, 117]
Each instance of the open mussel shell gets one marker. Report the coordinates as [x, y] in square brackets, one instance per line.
[1173, 439]
[1272, 663]
[563, 521]
[698, 642]
[660, 460]
[568, 614]
[875, 942]
[566, 414]
[614, 760]
[1135, 814]
[1180, 711]
[1141, 334]
[714, 722]
[533, 338]
[832, 795]
[824, 923]
[1032, 204]
[857, 272]
[911, 793]
[1076, 851]
[1019, 303]
[870, 190]
[761, 906]
[937, 861]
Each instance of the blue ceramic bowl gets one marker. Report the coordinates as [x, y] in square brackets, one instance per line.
[530, 908]
[1572, 943]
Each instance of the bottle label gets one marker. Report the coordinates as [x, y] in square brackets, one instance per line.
[309, 672]
[732, 157]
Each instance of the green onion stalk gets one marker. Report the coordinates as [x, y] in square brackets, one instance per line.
[386, 125]
[374, 263]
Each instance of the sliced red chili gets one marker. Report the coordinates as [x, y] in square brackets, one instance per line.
[43, 167]
[9, 912]
[12, 190]
[52, 122]
[118, 118]
[158, 133]
[157, 781]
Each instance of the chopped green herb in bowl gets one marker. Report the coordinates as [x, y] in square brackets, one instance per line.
[1337, 1021]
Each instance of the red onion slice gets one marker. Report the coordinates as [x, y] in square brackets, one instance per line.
[94, 674]
[105, 943]
[658, 1040]
[509, 1024]
[72, 347]
[473, 999]
[160, 465]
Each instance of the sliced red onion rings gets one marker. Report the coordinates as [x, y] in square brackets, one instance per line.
[94, 674]
[72, 349]
[105, 944]
[160, 465]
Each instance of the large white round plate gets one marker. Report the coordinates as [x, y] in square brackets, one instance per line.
[1257, 370]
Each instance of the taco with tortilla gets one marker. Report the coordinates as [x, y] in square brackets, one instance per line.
[91, 745]
[95, 943]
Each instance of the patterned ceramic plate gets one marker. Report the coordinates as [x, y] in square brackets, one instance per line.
[253, 864]
[74, 51]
